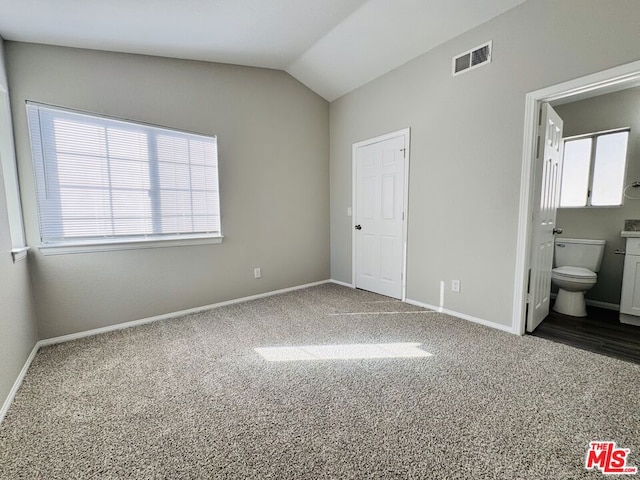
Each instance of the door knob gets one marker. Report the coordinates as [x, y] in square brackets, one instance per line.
[358, 227]
[557, 230]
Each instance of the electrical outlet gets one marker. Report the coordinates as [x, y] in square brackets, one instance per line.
[257, 272]
[349, 211]
[455, 286]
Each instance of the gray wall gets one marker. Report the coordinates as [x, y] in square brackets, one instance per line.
[466, 143]
[18, 333]
[273, 136]
[615, 110]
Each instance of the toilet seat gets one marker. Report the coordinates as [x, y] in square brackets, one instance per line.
[574, 274]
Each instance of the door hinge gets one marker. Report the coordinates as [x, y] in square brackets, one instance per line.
[540, 117]
[402, 215]
[529, 298]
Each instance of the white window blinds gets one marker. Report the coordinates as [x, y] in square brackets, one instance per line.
[105, 180]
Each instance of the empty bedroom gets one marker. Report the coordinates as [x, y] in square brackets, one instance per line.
[298, 240]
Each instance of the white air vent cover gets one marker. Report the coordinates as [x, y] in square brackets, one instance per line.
[473, 58]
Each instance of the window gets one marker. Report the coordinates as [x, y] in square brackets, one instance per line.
[593, 171]
[107, 181]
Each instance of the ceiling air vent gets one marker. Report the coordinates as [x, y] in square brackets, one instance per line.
[473, 58]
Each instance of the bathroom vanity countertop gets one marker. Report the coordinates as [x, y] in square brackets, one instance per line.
[630, 234]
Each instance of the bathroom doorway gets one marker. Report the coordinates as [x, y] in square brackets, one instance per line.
[593, 209]
[565, 98]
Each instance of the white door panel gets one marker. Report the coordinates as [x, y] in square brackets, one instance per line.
[368, 253]
[388, 189]
[548, 171]
[368, 197]
[380, 170]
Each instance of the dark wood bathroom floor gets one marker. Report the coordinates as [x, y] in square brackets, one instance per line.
[599, 332]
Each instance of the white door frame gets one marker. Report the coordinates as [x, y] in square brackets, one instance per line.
[406, 132]
[619, 75]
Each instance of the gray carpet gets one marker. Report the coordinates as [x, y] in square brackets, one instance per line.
[189, 398]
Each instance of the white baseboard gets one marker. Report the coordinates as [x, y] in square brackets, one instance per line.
[16, 385]
[344, 284]
[166, 316]
[463, 316]
[630, 319]
[605, 305]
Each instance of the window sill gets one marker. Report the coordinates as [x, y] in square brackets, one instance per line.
[18, 254]
[90, 247]
[590, 207]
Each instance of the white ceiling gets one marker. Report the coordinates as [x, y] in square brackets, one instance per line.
[332, 46]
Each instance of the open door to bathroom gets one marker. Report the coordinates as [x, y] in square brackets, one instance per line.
[548, 173]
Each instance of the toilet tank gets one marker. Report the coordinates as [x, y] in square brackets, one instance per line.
[578, 252]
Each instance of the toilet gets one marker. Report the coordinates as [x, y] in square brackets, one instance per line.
[576, 263]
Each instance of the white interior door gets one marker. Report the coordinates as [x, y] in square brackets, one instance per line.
[379, 215]
[548, 173]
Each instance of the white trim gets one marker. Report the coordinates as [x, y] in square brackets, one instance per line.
[166, 316]
[524, 215]
[89, 247]
[605, 305]
[16, 385]
[405, 225]
[533, 100]
[463, 316]
[406, 132]
[9, 168]
[629, 319]
[344, 284]
[18, 254]
[353, 214]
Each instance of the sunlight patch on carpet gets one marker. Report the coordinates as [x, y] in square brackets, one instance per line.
[342, 352]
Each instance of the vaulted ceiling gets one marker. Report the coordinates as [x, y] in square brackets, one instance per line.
[332, 46]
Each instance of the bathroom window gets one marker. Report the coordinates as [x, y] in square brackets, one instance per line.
[594, 168]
